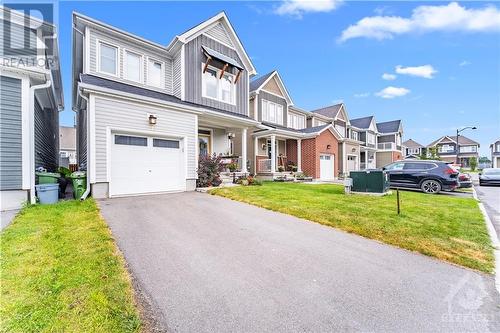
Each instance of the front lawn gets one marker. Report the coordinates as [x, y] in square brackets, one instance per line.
[446, 227]
[61, 272]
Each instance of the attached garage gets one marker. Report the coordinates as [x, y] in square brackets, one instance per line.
[144, 164]
[326, 166]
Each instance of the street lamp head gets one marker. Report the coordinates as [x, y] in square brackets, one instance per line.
[474, 127]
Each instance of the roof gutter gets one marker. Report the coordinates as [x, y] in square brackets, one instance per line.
[87, 190]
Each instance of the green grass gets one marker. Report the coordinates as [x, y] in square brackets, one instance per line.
[61, 272]
[445, 227]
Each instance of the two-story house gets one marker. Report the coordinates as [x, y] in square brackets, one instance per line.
[146, 112]
[413, 149]
[349, 143]
[30, 100]
[283, 140]
[366, 127]
[389, 142]
[495, 154]
[446, 149]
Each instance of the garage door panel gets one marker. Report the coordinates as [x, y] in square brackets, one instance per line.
[137, 169]
[326, 165]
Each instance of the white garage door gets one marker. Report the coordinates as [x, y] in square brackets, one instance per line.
[326, 163]
[141, 164]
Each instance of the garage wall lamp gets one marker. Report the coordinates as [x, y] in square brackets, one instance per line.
[328, 146]
[152, 119]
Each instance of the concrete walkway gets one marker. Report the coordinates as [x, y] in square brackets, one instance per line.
[209, 264]
[6, 217]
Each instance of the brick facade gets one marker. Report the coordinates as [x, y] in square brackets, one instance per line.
[325, 143]
[396, 156]
[291, 151]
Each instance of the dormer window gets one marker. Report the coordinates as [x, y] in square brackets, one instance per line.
[218, 84]
[108, 59]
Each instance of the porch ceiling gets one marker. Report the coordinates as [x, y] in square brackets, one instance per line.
[224, 121]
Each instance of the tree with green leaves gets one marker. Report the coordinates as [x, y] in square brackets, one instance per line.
[473, 163]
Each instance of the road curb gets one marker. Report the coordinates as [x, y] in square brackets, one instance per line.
[494, 239]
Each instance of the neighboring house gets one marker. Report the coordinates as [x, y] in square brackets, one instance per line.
[413, 149]
[145, 112]
[283, 138]
[349, 144]
[495, 154]
[366, 128]
[67, 145]
[389, 142]
[446, 149]
[31, 98]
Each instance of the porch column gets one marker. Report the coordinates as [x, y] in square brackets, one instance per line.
[273, 153]
[255, 153]
[244, 150]
[299, 155]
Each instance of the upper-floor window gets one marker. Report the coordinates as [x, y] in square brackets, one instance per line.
[341, 129]
[498, 147]
[446, 148]
[296, 121]
[398, 140]
[468, 149]
[216, 87]
[155, 73]
[370, 138]
[354, 135]
[272, 112]
[108, 59]
[133, 66]
[318, 122]
[412, 150]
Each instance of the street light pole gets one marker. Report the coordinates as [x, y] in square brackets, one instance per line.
[457, 160]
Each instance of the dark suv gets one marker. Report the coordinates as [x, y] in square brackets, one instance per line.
[429, 176]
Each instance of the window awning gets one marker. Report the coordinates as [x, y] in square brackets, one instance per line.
[221, 57]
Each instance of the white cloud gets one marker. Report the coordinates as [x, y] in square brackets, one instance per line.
[464, 63]
[450, 17]
[298, 7]
[391, 92]
[425, 71]
[388, 77]
[362, 95]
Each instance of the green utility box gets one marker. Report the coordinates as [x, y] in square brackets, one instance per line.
[371, 181]
[47, 177]
[79, 180]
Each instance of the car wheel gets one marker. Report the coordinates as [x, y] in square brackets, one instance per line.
[431, 186]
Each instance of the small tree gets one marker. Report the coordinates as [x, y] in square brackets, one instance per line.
[209, 169]
[473, 163]
[433, 155]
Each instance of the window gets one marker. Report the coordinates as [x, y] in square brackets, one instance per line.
[131, 140]
[216, 87]
[296, 121]
[340, 129]
[354, 135]
[272, 112]
[418, 166]
[468, 149]
[398, 140]
[370, 138]
[133, 66]
[108, 56]
[318, 122]
[165, 143]
[155, 73]
[446, 149]
[395, 166]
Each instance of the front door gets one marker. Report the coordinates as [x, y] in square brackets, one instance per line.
[326, 163]
[204, 143]
[351, 163]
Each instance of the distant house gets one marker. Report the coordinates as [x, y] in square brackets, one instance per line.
[389, 140]
[412, 149]
[495, 154]
[67, 145]
[447, 149]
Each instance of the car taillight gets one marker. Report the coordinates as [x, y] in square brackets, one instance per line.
[450, 171]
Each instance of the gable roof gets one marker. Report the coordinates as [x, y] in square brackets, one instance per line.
[260, 82]
[362, 123]
[220, 18]
[412, 144]
[330, 111]
[392, 126]
[462, 140]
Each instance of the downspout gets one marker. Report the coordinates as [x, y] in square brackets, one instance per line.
[87, 190]
[45, 85]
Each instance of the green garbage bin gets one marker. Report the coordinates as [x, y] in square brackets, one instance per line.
[79, 180]
[358, 181]
[371, 181]
[47, 177]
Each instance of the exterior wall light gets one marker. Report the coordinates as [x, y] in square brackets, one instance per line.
[328, 146]
[152, 119]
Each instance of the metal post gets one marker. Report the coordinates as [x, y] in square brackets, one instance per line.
[457, 149]
[397, 197]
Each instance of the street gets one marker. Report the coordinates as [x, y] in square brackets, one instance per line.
[490, 197]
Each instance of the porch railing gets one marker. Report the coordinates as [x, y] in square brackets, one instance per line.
[264, 165]
[362, 165]
[387, 146]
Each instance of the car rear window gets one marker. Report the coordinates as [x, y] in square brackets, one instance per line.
[418, 166]
[491, 171]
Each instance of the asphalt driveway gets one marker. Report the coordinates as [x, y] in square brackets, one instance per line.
[209, 264]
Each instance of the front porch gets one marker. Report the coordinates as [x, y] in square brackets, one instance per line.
[276, 156]
[368, 159]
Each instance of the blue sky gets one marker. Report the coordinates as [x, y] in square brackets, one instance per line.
[447, 70]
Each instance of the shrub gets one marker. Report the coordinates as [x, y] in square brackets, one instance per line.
[473, 163]
[209, 169]
[232, 166]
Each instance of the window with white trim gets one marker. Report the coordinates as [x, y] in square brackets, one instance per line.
[155, 73]
[354, 135]
[370, 138]
[296, 121]
[468, 149]
[446, 148]
[133, 66]
[318, 122]
[216, 87]
[340, 129]
[108, 59]
[272, 112]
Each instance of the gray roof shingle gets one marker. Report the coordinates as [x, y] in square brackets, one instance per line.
[314, 129]
[118, 86]
[462, 140]
[256, 83]
[362, 123]
[389, 126]
[412, 144]
[330, 111]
